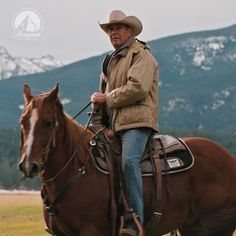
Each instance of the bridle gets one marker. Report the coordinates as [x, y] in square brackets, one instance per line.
[70, 159]
[51, 142]
[50, 206]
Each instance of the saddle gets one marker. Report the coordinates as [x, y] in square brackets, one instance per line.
[164, 154]
[174, 154]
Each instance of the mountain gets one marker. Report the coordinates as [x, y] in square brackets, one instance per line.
[197, 88]
[198, 79]
[15, 66]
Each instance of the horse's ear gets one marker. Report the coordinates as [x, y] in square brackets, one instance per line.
[53, 95]
[27, 94]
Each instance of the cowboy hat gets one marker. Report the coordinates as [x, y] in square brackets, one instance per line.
[119, 17]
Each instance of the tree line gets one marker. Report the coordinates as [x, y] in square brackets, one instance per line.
[10, 153]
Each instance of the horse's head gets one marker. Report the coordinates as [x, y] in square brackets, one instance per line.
[39, 121]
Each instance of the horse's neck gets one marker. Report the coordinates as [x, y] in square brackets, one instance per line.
[69, 149]
[73, 134]
[76, 139]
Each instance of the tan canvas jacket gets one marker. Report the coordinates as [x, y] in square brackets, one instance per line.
[131, 86]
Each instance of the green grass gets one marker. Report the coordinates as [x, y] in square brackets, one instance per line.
[21, 215]
[21, 220]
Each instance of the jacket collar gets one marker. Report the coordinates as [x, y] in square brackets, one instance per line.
[124, 49]
[118, 52]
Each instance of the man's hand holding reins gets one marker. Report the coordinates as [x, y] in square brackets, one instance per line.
[97, 99]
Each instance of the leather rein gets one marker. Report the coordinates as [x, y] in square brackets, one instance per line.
[50, 206]
[51, 179]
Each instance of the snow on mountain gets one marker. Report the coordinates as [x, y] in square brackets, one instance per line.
[15, 66]
[204, 52]
[177, 103]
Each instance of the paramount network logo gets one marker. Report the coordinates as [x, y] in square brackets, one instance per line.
[27, 24]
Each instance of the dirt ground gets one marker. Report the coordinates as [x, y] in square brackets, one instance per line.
[29, 198]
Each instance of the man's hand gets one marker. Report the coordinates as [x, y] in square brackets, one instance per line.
[97, 99]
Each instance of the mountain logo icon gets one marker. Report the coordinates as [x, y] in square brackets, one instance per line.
[27, 24]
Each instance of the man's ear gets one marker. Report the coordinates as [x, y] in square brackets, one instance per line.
[130, 31]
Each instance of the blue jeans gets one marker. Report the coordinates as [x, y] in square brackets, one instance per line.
[133, 142]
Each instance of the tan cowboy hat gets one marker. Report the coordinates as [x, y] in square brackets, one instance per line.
[119, 17]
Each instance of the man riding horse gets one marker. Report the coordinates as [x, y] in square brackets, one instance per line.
[129, 96]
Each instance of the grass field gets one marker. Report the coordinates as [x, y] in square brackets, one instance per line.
[21, 214]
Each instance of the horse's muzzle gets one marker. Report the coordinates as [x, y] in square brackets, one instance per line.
[30, 170]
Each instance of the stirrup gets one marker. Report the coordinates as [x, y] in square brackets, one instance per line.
[132, 216]
[128, 232]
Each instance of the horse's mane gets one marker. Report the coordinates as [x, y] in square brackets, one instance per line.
[74, 130]
[74, 133]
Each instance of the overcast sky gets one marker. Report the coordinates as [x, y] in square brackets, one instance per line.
[71, 32]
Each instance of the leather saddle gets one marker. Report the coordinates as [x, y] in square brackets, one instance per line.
[175, 156]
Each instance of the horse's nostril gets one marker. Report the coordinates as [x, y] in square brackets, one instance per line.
[34, 168]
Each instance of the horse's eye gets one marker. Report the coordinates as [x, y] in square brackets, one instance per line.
[48, 124]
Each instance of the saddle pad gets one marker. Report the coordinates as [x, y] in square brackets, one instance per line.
[176, 161]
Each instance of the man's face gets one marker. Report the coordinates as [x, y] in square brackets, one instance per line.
[119, 34]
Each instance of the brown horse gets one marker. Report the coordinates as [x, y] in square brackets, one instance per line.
[77, 197]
